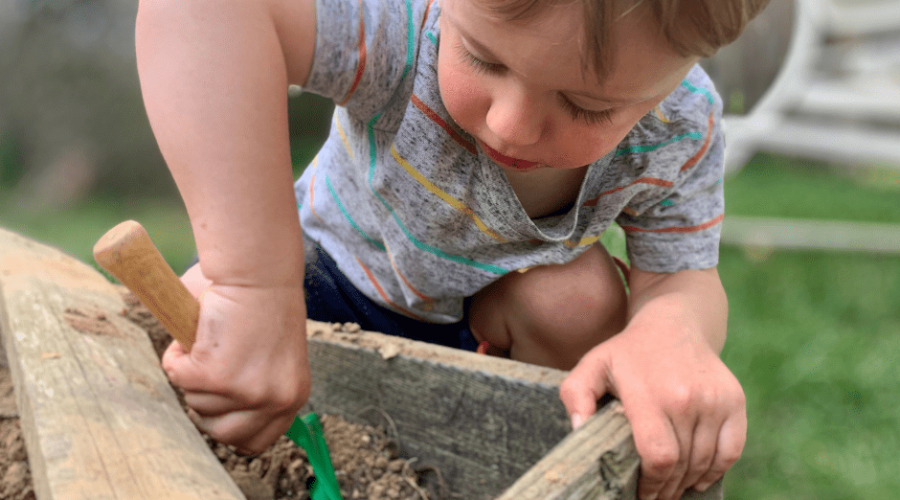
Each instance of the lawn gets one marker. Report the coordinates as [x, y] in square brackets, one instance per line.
[813, 339]
[76, 229]
[812, 336]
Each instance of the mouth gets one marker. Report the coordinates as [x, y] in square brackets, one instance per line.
[507, 161]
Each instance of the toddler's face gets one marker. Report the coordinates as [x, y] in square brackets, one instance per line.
[518, 87]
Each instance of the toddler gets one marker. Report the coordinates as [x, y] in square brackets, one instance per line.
[478, 151]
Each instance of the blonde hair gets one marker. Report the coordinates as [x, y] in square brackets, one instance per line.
[693, 28]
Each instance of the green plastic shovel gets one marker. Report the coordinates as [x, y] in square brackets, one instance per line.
[307, 433]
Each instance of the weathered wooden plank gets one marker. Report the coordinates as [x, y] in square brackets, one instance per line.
[487, 423]
[580, 469]
[597, 462]
[483, 421]
[99, 417]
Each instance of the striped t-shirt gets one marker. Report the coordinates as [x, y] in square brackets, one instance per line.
[418, 218]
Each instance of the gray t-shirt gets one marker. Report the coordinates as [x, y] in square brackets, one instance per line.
[417, 217]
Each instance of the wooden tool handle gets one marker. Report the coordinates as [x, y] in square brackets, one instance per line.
[127, 252]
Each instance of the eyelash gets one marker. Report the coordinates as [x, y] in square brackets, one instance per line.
[591, 117]
[576, 112]
[477, 64]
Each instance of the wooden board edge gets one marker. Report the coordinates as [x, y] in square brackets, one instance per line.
[77, 434]
[483, 421]
[389, 346]
[36, 461]
[598, 461]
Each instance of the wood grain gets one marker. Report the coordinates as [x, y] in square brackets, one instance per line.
[127, 252]
[99, 417]
[493, 427]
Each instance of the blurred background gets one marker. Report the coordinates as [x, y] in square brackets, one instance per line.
[811, 240]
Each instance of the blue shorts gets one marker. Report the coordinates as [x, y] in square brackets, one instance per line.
[331, 298]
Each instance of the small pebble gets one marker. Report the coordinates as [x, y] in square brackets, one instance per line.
[396, 465]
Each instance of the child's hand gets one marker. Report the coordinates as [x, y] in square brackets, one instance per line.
[247, 374]
[686, 409]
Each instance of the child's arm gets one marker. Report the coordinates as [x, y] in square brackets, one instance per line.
[214, 76]
[687, 410]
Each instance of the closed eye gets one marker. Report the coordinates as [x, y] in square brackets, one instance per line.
[578, 113]
[586, 115]
[479, 65]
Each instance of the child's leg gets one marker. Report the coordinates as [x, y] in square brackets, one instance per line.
[552, 315]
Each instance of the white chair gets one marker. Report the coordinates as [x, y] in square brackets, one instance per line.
[836, 96]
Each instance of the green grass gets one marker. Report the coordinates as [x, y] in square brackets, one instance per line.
[773, 186]
[813, 337]
[76, 228]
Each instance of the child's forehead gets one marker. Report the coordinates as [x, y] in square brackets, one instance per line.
[638, 66]
[536, 16]
[483, 27]
[523, 10]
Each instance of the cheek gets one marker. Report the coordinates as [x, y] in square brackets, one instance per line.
[583, 145]
[594, 142]
[461, 96]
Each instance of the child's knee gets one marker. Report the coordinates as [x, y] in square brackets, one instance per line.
[580, 307]
[552, 315]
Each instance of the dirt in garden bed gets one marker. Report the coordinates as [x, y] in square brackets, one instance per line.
[366, 459]
[15, 476]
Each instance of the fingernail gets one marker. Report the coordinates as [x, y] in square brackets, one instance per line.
[577, 420]
[701, 487]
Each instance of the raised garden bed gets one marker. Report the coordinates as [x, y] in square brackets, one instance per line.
[101, 421]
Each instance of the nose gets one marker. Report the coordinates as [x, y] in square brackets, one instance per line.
[515, 118]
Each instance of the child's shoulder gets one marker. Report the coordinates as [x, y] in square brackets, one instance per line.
[692, 109]
[672, 134]
[367, 53]
[693, 101]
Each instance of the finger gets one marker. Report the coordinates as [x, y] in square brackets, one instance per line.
[170, 358]
[184, 372]
[703, 451]
[241, 429]
[731, 439]
[584, 385]
[657, 444]
[208, 404]
[683, 430]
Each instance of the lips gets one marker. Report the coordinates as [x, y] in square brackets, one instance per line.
[508, 161]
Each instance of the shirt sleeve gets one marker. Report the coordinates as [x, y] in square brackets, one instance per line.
[364, 52]
[676, 224]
